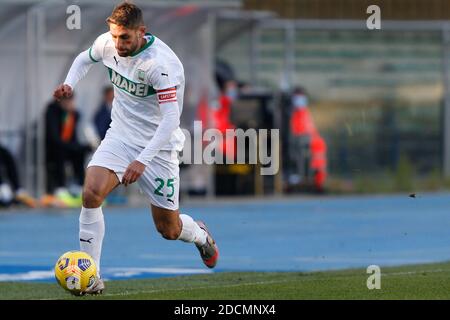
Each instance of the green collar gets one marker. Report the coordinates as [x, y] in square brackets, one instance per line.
[148, 44]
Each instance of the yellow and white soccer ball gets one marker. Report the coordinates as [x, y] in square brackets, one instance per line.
[75, 271]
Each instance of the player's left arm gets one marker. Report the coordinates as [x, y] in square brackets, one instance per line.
[166, 90]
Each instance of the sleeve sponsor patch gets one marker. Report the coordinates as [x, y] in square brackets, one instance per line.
[167, 95]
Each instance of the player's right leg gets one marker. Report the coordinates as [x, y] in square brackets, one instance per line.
[98, 184]
[104, 173]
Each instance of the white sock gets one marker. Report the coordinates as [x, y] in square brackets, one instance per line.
[191, 232]
[92, 231]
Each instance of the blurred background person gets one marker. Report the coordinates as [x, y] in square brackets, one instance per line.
[63, 148]
[308, 148]
[102, 118]
[11, 189]
[221, 113]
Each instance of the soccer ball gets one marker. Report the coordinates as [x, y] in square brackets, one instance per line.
[75, 271]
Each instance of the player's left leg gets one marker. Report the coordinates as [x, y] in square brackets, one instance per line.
[161, 182]
[175, 226]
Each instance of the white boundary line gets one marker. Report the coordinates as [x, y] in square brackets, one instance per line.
[300, 278]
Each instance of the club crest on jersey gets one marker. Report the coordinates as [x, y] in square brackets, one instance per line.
[133, 88]
[140, 75]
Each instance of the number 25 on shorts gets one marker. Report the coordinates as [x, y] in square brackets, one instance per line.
[169, 184]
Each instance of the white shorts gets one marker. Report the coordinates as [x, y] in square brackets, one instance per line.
[160, 180]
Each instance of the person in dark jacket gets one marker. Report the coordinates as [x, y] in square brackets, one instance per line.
[62, 145]
[11, 189]
[102, 118]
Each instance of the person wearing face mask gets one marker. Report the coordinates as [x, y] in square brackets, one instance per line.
[227, 96]
[302, 123]
[306, 138]
[220, 112]
[221, 115]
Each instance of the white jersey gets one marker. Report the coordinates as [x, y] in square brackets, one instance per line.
[135, 114]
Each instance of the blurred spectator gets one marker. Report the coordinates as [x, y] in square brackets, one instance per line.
[63, 147]
[221, 115]
[308, 147]
[229, 92]
[12, 191]
[302, 124]
[102, 118]
[318, 161]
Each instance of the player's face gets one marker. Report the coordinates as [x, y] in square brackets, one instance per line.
[126, 40]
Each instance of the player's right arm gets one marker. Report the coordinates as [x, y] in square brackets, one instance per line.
[80, 67]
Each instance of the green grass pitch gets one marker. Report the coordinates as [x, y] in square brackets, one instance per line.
[430, 281]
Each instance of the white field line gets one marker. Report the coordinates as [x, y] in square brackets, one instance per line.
[195, 288]
[303, 278]
[414, 272]
[188, 288]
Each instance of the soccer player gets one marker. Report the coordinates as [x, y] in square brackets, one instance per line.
[144, 138]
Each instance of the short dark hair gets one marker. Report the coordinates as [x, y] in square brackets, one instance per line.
[127, 15]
